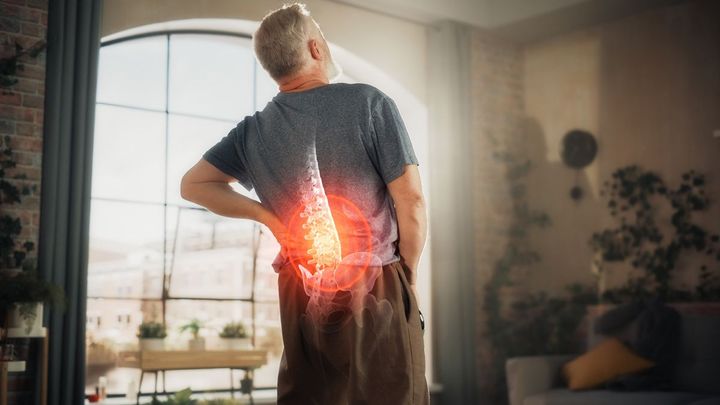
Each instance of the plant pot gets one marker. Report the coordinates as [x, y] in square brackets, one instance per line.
[236, 343]
[152, 344]
[196, 344]
[31, 323]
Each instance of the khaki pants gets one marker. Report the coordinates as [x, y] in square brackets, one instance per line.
[379, 362]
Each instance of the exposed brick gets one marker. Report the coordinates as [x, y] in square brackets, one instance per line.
[28, 158]
[9, 98]
[9, 10]
[26, 41]
[32, 15]
[29, 202]
[8, 24]
[30, 86]
[24, 172]
[41, 4]
[16, 113]
[28, 129]
[33, 72]
[7, 127]
[21, 115]
[26, 143]
[33, 101]
[496, 94]
[35, 30]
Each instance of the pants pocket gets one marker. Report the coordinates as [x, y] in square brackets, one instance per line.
[407, 291]
[405, 296]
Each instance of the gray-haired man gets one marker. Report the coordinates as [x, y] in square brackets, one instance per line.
[337, 179]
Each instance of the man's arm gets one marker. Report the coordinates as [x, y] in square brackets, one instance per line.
[209, 187]
[407, 195]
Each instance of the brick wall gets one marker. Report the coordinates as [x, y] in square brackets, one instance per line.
[497, 97]
[21, 117]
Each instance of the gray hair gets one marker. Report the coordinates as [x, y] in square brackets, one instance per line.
[280, 43]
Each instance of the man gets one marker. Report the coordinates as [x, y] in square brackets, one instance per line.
[341, 153]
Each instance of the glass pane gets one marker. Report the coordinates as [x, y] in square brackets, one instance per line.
[133, 73]
[268, 336]
[128, 154]
[266, 288]
[188, 139]
[209, 255]
[125, 257]
[110, 327]
[211, 75]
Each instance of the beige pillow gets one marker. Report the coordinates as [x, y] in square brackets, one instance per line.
[609, 359]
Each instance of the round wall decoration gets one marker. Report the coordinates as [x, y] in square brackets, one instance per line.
[579, 149]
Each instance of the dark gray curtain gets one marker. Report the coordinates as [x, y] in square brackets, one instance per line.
[72, 59]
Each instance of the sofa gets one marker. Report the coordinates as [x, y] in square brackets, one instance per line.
[538, 380]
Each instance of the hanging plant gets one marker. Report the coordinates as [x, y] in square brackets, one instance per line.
[10, 53]
[634, 196]
[10, 226]
[19, 282]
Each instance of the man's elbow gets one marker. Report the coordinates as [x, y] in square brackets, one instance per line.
[186, 189]
[411, 201]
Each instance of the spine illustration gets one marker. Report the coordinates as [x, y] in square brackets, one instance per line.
[319, 225]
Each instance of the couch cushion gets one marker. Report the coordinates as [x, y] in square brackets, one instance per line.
[603, 362]
[698, 368]
[606, 397]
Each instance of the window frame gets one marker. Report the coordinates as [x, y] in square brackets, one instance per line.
[257, 229]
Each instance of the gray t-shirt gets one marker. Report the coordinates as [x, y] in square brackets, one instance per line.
[352, 133]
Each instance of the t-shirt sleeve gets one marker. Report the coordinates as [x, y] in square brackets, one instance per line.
[392, 146]
[225, 155]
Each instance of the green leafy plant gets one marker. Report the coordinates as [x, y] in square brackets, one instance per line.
[148, 330]
[635, 197]
[10, 226]
[181, 397]
[25, 289]
[193, 326]
[515, 331]
[10, 54]
[220, 401]
[233, 330]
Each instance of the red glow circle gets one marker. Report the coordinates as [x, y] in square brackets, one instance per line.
[344, 224]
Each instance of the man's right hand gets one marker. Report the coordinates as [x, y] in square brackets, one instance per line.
[286, 241]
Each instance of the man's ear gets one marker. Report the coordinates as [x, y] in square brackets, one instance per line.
[315, 51]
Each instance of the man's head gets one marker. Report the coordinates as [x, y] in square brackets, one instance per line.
[289, 43]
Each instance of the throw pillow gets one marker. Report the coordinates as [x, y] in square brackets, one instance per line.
[609, 359]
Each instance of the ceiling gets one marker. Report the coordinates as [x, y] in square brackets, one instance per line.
[520, 20]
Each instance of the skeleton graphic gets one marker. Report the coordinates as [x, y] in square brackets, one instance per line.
[340, 285]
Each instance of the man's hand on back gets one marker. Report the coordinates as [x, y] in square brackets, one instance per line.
[206, 185]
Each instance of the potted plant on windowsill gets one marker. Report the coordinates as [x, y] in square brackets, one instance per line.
[152, 336]
[194, 326]
[234, 337]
